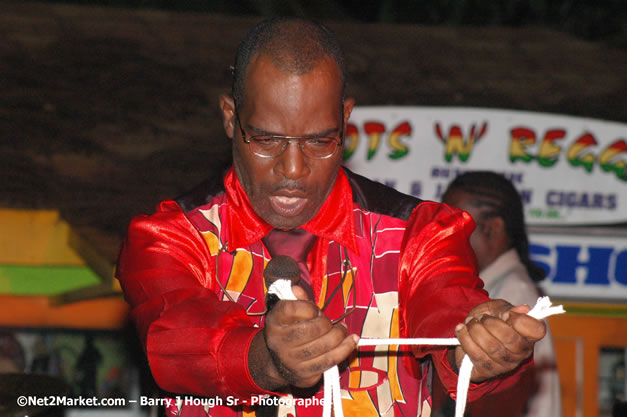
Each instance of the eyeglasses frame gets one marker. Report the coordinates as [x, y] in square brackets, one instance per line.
[338, 141]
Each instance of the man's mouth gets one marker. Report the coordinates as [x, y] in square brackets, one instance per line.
[286, 206]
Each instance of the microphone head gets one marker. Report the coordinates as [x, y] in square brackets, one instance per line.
[281, 267]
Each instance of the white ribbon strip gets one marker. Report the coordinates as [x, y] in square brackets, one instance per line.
[544, 309]
[444, 341]
[463, 382]
[283, 289]
[328, 390]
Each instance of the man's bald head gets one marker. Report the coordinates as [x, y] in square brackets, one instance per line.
[294, 45]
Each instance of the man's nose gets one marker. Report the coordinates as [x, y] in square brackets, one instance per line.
[292, 163]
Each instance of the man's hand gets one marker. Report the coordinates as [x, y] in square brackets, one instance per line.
[497, 337]
[297, 344]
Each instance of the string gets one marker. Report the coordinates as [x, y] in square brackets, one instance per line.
[331, 391]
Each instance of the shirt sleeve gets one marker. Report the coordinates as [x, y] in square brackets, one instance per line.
[195, 343]
[439, 285]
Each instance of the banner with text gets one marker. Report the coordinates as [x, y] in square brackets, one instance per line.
[568, 170]
[582, 266]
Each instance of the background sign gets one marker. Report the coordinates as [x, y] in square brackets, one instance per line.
[582, 266]
[568, 170]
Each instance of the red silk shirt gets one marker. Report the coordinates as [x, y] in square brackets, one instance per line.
[412, 274]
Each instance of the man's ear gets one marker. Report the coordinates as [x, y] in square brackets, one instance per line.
[348, 109]
[227, 106]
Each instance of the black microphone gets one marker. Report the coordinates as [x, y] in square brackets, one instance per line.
[280, 267]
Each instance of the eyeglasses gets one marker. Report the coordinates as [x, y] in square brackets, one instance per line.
[271, 146]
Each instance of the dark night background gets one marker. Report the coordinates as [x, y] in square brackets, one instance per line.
[596, 20]
[107, 107]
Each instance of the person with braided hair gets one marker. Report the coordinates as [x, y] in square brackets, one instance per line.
[501, 247]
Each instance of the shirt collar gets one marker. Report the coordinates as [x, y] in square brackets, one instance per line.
[334, 220]
[500, 266]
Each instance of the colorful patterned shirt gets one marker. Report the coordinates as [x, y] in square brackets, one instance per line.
[404, 264]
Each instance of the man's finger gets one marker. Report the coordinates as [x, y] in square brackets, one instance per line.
[300, 293]
[320, 345]
[320, 364]
[510, 347]
[528, 327]
[522, 309]
[490, 350]
[495, 308]
[475, 339]
[297, 333]
[287, 312]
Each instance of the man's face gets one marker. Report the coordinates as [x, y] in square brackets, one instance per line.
[288, 190]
